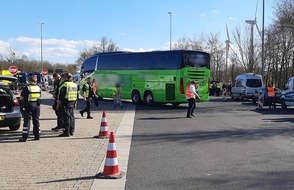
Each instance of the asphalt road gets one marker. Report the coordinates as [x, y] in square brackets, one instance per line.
[229, 145]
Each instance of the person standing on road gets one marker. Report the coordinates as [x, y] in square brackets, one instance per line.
[57, 84]
[117, 93]
[66, 102]
[88, 95]
[95, 92]
[191, 96]
[271, 96]
[30, 96]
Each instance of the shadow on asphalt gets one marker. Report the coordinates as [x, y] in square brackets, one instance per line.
[270, 180]
[237, 135]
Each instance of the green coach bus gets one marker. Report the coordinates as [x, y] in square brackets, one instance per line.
[157, 76]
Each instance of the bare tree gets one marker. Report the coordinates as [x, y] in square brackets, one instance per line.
[280, 44]
[217, 53]
[104, 45]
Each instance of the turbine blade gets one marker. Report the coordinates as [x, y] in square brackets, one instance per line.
[256, 10]
[258, 29]
[228, 36]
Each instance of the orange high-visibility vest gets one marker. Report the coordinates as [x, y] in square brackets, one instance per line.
[189, 93]
[271, 92]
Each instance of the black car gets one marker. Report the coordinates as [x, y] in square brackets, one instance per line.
[10, 114]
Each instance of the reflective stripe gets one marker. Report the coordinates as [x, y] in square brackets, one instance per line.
[103, 119]
[25, 132]
[25, 128]
[111, 162]
[103, 128]
[111, 146]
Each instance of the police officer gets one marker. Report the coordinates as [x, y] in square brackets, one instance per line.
[30, 96]
[57, 84]
[191, 95]
[66, 102]
[87, 94]
[271, 96]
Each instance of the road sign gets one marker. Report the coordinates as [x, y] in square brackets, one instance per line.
[44, 72]
[13, 69]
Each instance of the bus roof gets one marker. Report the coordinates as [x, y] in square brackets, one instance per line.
[128, 52]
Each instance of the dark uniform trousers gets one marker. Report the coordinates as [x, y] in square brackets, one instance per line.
[192, 106]
[88, 107]
[67, 118]
[57, 112]
[31, 110]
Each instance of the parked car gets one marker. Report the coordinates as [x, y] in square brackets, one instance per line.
[278, 94]
[245, 86]
[10, 114]
[287, 98]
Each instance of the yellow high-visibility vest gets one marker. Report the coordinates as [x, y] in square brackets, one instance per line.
[34, 93]
[71, 90]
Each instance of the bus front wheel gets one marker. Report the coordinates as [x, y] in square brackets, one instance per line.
[136, 97]
[149, 98]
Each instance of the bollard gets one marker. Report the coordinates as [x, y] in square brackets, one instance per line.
[260, 99]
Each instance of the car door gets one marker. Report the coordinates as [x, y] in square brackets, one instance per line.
[289, 94]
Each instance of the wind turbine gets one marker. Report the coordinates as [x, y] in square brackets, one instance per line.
[252, 23]
[227, 51]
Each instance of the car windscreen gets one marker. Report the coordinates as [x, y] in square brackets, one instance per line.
[254, 83]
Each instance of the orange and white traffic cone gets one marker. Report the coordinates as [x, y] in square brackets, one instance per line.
[103, 133]
[111, 170]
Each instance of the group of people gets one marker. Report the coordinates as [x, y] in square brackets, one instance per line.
[65, 95]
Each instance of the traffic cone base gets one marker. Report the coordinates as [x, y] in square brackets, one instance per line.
[103, 132]
[117, 176]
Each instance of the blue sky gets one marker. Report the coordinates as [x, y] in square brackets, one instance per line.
[136, 25]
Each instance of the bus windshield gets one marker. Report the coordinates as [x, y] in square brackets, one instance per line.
[196, 60]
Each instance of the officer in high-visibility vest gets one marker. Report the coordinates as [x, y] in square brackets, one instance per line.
[30, 96]
[66, 102]
[191, 95]
[88, 95]
[271, 96]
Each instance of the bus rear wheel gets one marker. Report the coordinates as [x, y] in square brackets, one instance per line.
[149, 98]
[136, 97]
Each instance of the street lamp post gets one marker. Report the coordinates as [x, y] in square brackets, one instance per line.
[41, 24]
[262, 43]
[170, 30]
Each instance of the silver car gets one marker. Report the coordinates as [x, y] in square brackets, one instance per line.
[10, 114]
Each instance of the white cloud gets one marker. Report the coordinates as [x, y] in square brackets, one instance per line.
[203, 15]
[232, 18]
[54, 50]
[122, 34]
[137, 50]
[214, 12]
[4, 48]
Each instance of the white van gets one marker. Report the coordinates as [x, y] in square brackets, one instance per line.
[287, 98]
[245, 85]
